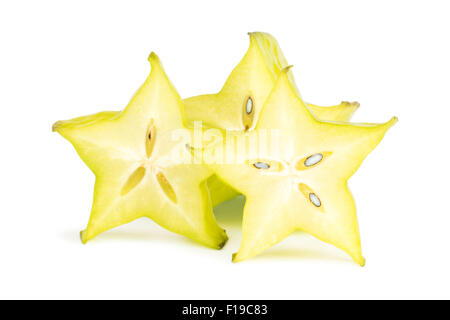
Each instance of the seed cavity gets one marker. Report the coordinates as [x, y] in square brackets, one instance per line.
[261, 165]
[315, 199]
[314, 159]
[310, 195]
[249, 106]
[248, 113]
[267, 165]
[150, 138]
[133, 180]
[166, 187]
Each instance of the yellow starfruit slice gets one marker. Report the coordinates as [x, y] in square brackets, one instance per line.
[237, 105]
[298, 180]
[137, 175]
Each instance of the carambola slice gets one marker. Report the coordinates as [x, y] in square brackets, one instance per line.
[131, 155]
[299, 181]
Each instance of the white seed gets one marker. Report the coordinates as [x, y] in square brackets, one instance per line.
[314, 159]
[249, 106]
[315, 199]
[261, 165]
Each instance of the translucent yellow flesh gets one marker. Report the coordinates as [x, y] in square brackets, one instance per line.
[133, 180]
[253, 77]
[279, 203]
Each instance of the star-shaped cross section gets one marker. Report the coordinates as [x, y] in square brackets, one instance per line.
[133, 155]
[298, 181]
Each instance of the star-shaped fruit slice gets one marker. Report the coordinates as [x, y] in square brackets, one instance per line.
[133, 156]
[237, 105]
[294, 173]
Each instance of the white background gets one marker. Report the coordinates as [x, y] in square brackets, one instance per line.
[61, 59]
